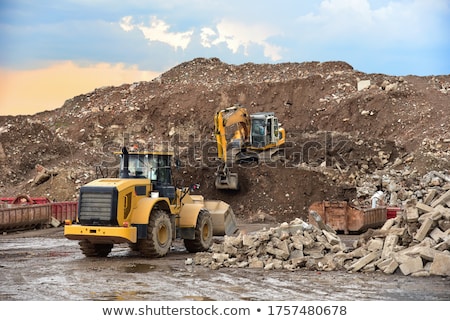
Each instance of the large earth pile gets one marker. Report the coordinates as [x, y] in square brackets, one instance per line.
[347, 132]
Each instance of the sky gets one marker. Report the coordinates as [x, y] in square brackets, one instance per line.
[54, 50]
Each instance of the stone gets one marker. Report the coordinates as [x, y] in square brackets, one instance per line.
[412, 214]
[423, 230]
[359, 264]
[363, 84]
[441, 265]
[389, 244]
[412, 265]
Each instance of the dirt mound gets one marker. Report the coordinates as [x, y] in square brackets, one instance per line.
[339, 133]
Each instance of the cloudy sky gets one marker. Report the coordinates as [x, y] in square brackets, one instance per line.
[53, 50]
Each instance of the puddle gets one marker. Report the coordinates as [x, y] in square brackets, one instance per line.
[139, 268]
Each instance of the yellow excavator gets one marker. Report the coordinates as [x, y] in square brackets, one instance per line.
[242, 137]
[143, 208]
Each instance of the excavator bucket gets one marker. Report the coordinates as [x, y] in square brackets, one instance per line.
[229, 181]
[225, 179]
[223, 218]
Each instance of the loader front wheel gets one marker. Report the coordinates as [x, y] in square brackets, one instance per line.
[91, 250]
[159, 236]
[203, 233]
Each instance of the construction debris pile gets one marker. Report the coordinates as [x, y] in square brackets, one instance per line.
[416, 242]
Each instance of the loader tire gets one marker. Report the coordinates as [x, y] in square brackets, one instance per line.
[159, 236]
[203, 234]
[95, 250]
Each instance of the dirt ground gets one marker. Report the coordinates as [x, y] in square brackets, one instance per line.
[43, 265]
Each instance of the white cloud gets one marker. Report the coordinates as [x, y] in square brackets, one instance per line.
[159, 30]
[236, 34]
[205, 37]
[388, 23]
[126, 23]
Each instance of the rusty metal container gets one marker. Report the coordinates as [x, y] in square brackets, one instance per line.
[344, 217]
[19, 217]
[64, 210]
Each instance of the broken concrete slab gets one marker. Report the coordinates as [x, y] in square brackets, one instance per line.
[441, 265]
[359, 264]
[412, 214]
[412, 265]
[442, 199]
[424, 207]
[423, 230]
[389, 244]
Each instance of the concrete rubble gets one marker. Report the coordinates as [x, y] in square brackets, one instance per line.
[416, 243]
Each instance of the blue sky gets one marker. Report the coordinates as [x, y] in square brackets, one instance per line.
[109, 42]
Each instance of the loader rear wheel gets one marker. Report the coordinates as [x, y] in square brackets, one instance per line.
[159, 236]
[91, 250]
[203, 233]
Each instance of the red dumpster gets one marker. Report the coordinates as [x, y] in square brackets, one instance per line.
[392, 212]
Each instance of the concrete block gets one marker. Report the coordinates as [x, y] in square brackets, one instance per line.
[320, 223]
[443, 246]
[437, 234]
[412, 265]
[54, 222]
[359, 264]
[279, 254]
[388, 224]
[412, 214]
[375, 245]
[333, 239]
[433, 215]
[391, 268]
[424, 207]
[422, 273]
[363, 84]
[389, 243]
[256, 264]
[430, 196]
[296, 243]
[382, 263]
[428, 254]
[400, 231]
[441, 265]
[445, 211]
[441, 200]
[220, 257]
[388, 266]
[423, 230]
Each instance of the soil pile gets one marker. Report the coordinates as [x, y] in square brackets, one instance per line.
[346, 132]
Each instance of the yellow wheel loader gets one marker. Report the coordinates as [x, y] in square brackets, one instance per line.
[242, 138]
[143, 208]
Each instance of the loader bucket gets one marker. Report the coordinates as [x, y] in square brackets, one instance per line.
[223, 218]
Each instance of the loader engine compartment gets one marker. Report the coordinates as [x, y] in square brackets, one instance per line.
[98, 205]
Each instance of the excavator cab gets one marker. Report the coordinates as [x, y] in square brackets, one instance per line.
[265, 130]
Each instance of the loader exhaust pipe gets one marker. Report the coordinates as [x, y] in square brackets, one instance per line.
[124, 171]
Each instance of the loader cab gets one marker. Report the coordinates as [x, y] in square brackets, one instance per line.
[155, 166]
[264, 130]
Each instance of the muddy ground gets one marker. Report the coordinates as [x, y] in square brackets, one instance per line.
[43, 265]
